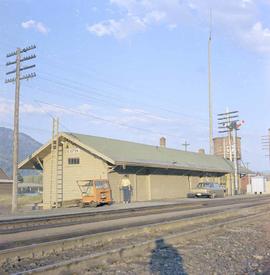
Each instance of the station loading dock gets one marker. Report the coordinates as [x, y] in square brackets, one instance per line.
[155, 172]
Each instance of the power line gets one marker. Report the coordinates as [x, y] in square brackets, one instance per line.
[113, 84]
[91, 99]
[104, 119]
[93, 71]
[51, 116]
[104, 97]
[93, 116]
[118, 86]
[87, 71]
[97, 91]
[26, 127]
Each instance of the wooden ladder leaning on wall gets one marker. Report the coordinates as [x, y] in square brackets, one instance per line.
[56, 184]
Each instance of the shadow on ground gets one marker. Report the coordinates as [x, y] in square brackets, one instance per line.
[165, 260]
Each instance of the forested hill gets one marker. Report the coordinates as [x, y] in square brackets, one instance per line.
[27, 146]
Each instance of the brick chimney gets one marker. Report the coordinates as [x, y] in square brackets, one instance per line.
[162, 142]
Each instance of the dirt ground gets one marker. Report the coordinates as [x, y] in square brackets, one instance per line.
[236, 249]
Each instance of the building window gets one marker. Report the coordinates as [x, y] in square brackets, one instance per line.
[73, 161]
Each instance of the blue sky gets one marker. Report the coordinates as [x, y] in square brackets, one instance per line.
[137, 70]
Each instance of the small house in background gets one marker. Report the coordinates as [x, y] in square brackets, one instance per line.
[258, 185]
[5, 184]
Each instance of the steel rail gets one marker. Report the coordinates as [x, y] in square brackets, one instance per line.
[126, 250]
[28, 224]
[25, 245]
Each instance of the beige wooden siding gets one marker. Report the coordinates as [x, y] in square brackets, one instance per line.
[168, 186]
[90, 167]
[47, 181]
[114, 180]
[142, 188]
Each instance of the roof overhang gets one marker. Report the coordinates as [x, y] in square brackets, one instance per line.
[31, 161]
[5, 181]
[173, 166]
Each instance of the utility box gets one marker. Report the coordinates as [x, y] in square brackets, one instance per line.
[257, 185]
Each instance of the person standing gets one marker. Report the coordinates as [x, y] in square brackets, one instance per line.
[126, 188]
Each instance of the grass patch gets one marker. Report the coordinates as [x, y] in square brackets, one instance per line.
[22, 200]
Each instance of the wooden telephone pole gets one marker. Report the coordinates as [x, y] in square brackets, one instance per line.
[185, 145]
[229, 123]
[17, 80]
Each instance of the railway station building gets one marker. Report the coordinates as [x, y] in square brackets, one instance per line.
[155, 172]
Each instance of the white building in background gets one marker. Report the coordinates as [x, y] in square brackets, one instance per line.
[258, 185]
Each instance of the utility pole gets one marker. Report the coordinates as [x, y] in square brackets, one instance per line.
[210, 105]
[229, 133]
[236, 183]
[234, 126]
[16, 80]
[186, 145]
[266, 144]
[227, 123]
[225, 119]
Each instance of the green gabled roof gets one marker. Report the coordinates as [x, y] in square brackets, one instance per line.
[131, 153]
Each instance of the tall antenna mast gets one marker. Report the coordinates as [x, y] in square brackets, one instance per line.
[210, 105]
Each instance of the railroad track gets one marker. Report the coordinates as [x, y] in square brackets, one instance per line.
[64, 231]
[16, 225]
[26, 224]
[84, 252]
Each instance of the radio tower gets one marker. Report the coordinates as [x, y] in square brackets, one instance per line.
[210, 105]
